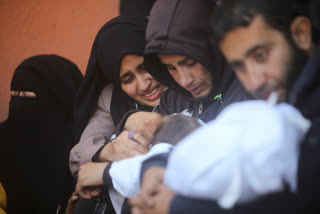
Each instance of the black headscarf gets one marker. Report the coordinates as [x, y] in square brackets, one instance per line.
[40, 130]
[122, 35]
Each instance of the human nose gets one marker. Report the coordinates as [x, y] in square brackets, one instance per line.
[184, 77]
[256, 77]
[144, 82]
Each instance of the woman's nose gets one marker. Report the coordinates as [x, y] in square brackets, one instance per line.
[144, 83]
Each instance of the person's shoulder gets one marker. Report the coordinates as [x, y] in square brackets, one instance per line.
[174, 100]
[105, 97]
[175, 93]
[107, 92]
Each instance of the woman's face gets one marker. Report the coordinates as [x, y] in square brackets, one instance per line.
[137, 83]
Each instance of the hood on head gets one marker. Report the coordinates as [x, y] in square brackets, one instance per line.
[182, 27]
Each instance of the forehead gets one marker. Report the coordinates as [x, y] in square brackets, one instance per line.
[238, 41]
[130, 62]
[171, 58]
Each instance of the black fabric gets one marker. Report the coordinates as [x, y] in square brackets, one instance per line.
[156, 160]
[306, 97]
[9, 177]
[182, 27]
[121, 104]
[39, 132]
[107, 180]
[135, 7]
[85, 206]
[121, 35]
[175, 100]
[126, 207]
[96, 205]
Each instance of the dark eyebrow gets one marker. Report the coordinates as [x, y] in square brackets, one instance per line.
[183, 61]
[125, 75]
[235, 64]
[256, 47]
[140, 66]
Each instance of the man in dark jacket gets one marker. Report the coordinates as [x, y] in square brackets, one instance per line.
[277, 53]
[178, 54]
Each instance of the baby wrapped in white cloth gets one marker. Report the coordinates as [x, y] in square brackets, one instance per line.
[251, 149]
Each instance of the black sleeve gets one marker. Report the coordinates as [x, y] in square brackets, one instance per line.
[174, 100]
[122, 123]
[107, 180]
[275, 203]
[156, 160]
[95, 157]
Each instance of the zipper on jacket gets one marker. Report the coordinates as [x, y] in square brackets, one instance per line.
[200, 108]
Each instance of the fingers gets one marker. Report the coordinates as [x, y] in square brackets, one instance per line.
[141, 139]
[140, 201]
[144, 122]
[124, 147]
[89, 192]
[136, 210]
[136, 201]
[71, 202]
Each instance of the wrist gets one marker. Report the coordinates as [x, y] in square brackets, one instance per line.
[100, 168]
[127, 123]
[104, 153]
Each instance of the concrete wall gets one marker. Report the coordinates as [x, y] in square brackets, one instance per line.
[63, 27]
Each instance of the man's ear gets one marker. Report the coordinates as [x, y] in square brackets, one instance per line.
[301, 32]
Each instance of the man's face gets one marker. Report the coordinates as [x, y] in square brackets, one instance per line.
[188, 73]
[261, 57]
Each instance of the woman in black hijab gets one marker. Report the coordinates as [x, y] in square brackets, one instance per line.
[115, 83]
[39, 134]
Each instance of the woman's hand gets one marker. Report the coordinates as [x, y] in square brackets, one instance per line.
[90, 178]
[71, 202]
[123, 147]
[144, 122]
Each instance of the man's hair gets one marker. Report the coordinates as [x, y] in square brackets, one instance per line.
[278, 14]
[174, 128]
[314, 9]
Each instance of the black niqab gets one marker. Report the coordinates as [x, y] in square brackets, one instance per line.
[40, 132]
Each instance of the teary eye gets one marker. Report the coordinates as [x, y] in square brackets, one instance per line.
[170, 67]
[260, 55]
[127, 78]
[190, 62]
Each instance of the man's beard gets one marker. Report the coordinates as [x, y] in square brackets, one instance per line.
[298, 58]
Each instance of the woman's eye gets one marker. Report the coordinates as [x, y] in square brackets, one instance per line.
[143, 68]
[127, 80]
[170, 67]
